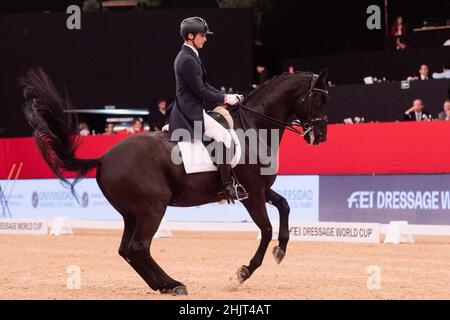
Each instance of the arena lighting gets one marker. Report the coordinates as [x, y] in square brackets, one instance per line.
[136, 112]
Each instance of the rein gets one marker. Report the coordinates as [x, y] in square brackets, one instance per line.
[290, 126]
[269, 119]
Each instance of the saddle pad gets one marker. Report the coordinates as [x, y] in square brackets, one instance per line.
[196, 158]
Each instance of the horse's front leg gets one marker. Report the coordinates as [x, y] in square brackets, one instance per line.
[279, 252]
[256, 207]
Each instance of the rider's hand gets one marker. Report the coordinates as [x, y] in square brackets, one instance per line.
[240, 97]
[233, 99]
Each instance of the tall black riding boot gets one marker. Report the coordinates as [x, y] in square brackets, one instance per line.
[232, 189]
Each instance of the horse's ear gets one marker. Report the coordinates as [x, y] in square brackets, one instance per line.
[323, 77]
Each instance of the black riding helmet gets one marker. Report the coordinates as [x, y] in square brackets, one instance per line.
[193, 25]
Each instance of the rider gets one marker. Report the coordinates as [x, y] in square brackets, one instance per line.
[194, 95]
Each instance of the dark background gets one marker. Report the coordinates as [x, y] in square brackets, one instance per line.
[117, 58]
[125, 58]
[300, 28]
[294, 28]
[385, 101]
[352, 68]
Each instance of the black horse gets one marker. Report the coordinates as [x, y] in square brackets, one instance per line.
[139, 179]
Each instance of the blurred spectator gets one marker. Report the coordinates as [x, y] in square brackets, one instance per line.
[445, 115]
[109, 128]
[417, 112]
[264, 74]
[355, 120]
[91, 6]
[445, 73]
[137, 126]
[158, 117]
[83, 129]
[399, 32]
[423, 73]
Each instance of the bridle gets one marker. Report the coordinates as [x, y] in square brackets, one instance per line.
[310, 122]
[307, 126]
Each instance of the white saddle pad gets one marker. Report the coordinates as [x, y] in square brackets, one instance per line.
[196, 158]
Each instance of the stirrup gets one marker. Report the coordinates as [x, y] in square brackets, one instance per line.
[239, 191]
[234, 191]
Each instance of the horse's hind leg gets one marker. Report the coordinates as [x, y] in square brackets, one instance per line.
[137, 252]
[256, 207]
[128, 231]
[279, 252]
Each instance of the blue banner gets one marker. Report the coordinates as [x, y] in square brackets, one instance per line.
[418, 199]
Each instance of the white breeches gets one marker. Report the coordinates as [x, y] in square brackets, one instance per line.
[216, 131]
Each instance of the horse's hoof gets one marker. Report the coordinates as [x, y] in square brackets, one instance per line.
[180, 291]
[243, 274]
[278, 254]
[177, 291]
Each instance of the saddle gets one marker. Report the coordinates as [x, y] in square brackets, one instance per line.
[194, 153]
[220, 114]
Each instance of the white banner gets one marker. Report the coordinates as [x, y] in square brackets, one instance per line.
[336, 232]
[301, 192]
[47, 198]
[24, 226]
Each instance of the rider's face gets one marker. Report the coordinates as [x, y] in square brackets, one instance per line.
[199, 40]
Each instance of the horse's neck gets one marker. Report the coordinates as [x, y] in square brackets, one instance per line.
[274, 101]
[268, 135]
[277, 109]
[275, 104]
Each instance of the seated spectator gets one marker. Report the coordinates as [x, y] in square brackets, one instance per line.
[445, 115]
[83, 129]
[417, 112]
[422, 75]
[91, 6]
[399, 32]
[158, 117]
[445, 73]
[264, 74]
[109, 128]
[137, 126]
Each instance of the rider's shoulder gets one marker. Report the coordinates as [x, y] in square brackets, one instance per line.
[185, 60]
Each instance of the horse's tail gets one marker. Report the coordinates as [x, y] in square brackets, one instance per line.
[54, 130]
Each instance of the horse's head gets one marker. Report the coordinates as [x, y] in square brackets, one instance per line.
[301, 95]
[310, 109]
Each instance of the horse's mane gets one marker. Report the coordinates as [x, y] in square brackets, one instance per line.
[267, 83]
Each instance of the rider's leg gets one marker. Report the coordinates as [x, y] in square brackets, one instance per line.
[215, 130]
[223, 166]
